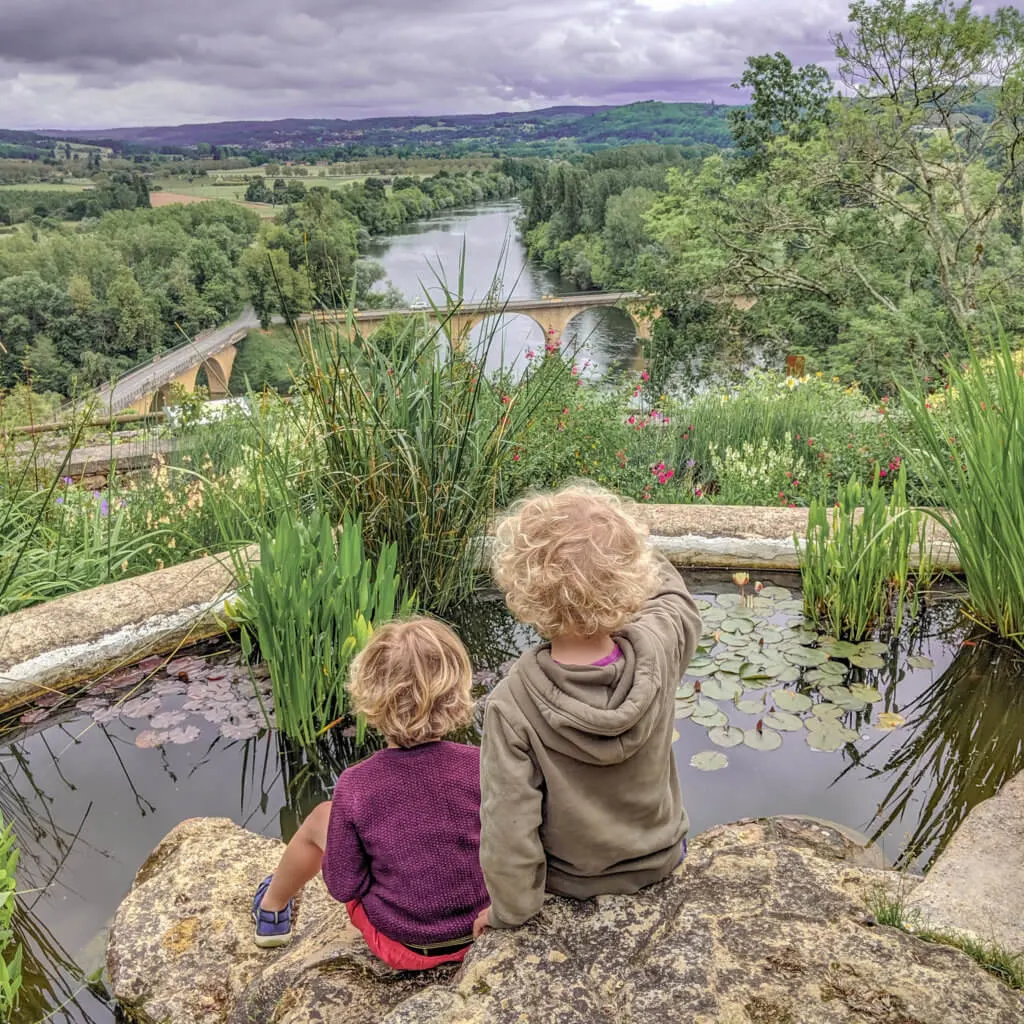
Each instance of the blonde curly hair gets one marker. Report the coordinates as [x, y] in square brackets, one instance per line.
[573, 562]
[412, 681]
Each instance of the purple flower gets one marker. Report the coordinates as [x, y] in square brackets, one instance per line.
[690, 463]
[104, 507]
[60, 501]
[66, 480]
[96, 494]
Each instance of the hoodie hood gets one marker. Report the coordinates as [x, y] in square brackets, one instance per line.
[595, 714]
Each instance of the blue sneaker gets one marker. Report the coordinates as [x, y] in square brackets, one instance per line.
[273, 927]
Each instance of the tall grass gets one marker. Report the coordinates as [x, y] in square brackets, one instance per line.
[855, 564]
[310, 604]
[10, 959]
[413, 436]
[972, 452]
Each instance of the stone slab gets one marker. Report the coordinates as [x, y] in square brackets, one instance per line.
[977, 884]
[765, 922]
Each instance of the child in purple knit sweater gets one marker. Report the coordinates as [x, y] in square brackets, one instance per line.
[399, 843]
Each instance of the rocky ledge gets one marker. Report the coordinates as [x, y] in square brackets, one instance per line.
[766, 922]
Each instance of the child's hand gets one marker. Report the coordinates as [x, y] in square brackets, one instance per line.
[483, 920]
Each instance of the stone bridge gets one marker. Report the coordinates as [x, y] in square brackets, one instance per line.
[147, 387]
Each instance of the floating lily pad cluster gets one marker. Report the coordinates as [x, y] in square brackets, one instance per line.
[760, 673]
[172, 701]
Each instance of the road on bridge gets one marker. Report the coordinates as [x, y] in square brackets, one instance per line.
[150, 377]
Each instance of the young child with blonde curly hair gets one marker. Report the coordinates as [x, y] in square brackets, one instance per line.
[398, 843]
[580, 793]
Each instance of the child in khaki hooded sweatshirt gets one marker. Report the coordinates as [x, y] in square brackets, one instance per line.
[580, 794]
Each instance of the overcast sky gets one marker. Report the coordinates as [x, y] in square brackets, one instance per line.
[111, 63]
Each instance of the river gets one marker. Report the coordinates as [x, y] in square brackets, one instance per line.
[416, 256]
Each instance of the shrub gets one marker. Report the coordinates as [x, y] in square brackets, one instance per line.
[310, 604]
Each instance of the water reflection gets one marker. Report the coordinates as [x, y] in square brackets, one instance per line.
[967, 740]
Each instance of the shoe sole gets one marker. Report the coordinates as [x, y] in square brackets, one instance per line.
[272, 941]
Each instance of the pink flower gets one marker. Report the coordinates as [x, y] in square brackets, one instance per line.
[530, 354]
[515, 458]
[631, 420]
[645, 375]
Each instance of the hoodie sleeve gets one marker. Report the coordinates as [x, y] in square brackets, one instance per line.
[511, 853]
[671, 615]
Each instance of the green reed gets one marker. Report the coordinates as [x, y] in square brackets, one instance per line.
[415, 436]
[310, 604]
[855, 564]
[10, 953]
[971, 447]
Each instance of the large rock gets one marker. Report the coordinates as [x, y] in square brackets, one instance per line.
[767, 922]
[977, 884]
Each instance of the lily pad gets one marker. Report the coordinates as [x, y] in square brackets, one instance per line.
[872, 647]
[770, 635]
[805, 657]
[167, 719]
[675, 735]
[140, 707]
[826, 712]
[783, 721]
[725, 736]
[790, 700]
[685, 690]
[889, 720]
[776, 594]
[751, 707]
[790, 674]
[825, 739]
[701, 604]
[714, 615]
[34, 716]
[862, 660]
[149, 738]
[768, 670]
[709, 760]
[841, 649]
[729, 601]
[866, 693]
[705, 706]
[185, 734]
[765, 739]
[842, 697]
[712, 720]
[685, 708]
[700, 667]
[722, 688]
[920, 661]
[734, 639]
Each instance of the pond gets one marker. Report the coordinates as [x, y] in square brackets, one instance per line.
[935, 720]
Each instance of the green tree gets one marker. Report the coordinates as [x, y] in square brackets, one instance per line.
[785, 101]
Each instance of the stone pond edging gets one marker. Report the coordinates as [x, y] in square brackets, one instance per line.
[767, 921]
[61, 642]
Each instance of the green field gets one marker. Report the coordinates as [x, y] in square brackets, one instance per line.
[48, 186]
[232, 187]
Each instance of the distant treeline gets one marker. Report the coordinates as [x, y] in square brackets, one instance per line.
[121, 190]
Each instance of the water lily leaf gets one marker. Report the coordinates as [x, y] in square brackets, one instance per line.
[867, 661]
[806, 657]
[827, 712]
[709, 760]
[841, 648]
[790, 700]
[766, 739]
[729, 600]
[736, 625]
[842, 697]
[675, 735]
[790, 674]
[920, 661]
[714, 615]
[150, 738]
[795, 605]
[888, 720]
[167, 719]
[712, 720]
[187, 733]
[770, 635]
[34, 716]
[685, 690]
[735, 639]
[866, 693]
[751, 707]
[768, 670]
[722, 688]
[725, 736]
[701, 604]
[701, 670]
[140, 707]
[685, 708]
[825, 738]
[705, 706]
[872, 647]
[783, 721]
[776, 594]
[729, 665]
[834, 668]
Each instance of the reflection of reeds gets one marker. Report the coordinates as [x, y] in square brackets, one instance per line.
[968, 738]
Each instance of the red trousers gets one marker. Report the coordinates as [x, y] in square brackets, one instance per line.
[393, 953]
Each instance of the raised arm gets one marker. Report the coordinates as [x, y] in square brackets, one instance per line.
[672, 615]
[511, 853]
[346, 869]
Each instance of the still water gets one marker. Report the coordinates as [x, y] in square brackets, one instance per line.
[90, 796]
[425, 257]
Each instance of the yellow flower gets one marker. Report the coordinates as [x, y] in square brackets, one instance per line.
[172, 543]
[818, 374]
[741, 579]
[159, 563]
[124, 565]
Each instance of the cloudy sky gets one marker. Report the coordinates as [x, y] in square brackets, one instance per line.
[109, 63]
